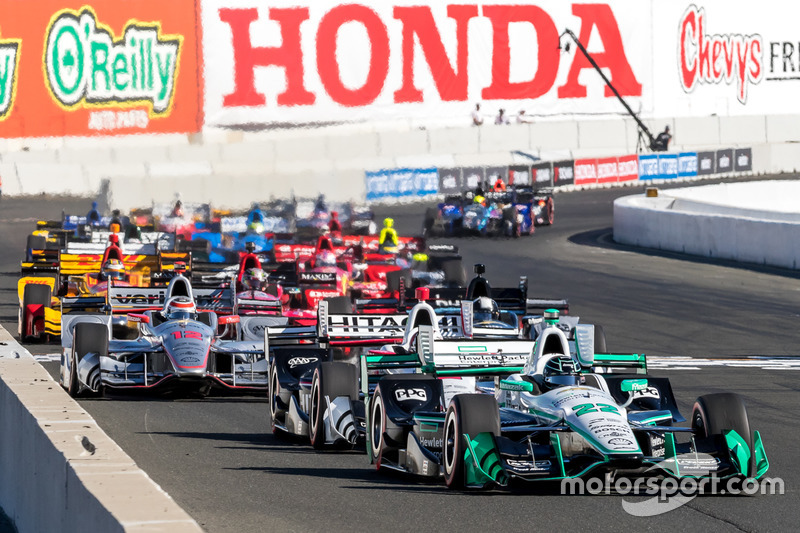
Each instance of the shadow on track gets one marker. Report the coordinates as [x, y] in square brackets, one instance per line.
[604, 238]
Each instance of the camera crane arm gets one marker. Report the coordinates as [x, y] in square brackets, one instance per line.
[642, 128]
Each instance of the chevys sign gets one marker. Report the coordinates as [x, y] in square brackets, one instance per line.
[98, 67]
[281, 61]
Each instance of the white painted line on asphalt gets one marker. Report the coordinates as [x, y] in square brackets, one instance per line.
[696, 363]
[48, 357]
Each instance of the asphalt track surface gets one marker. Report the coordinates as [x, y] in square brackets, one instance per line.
[218, 460]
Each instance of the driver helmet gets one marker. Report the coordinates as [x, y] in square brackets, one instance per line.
[180, 308]
[479, 199]
[254, 279]
[256, 226]
[560, 371]
[484, 309]
[113, 269]
[325, 259]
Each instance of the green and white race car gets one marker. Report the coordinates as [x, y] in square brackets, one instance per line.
[563, 412]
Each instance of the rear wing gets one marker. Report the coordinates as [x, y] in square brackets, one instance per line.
[452, 357]
[126, 299]
[71, 264]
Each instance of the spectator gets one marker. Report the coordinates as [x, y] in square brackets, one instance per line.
[661, 143]
[477, 118]
[501, 117]
[522, 118]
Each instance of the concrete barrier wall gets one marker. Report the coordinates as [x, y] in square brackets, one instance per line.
[59, 471]
[232, 168]
[718, 229]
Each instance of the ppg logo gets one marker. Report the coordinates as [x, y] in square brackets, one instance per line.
[411, 394]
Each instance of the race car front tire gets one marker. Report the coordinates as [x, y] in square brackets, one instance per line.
[277, 399]
[469, 414]
[331, 379]
[714, 413]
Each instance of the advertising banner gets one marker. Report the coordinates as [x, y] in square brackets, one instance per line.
[450, 181]
[628, 167]
[563, 173]
[585, 171]
[492, 173]
[667, 166]
[648, 167]
[724, 161]
[519, 175]
[706, 163]
[542, 174]
[473, 177]
[743, 160]
[607, 171]
[98, 67]
[303, 61]
[401, 183]
[687, 164]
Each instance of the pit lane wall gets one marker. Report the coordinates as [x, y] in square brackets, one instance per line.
[753, 222]
[59, 471]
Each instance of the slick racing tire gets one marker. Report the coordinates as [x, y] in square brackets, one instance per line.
[430, 220]
[714, 413]
[340, 305]
[549, 212]
[278, 400]
[393, 279]
[34, 294]
[377, 422]
[599, 339]
[454, 273]
[87, 338]
[330, 379]
[34, 242]
[470, 414]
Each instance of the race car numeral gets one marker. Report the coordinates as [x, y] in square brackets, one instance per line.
[187, 334]
[585, 408]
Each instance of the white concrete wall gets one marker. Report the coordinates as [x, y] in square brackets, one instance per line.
[59, 471]
[716, 221]
[234, 168]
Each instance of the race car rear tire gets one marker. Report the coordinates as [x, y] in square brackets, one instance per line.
[34, 294]
[331, 379]
[599, 339]
[467, 414]
[454, 273]
[87, 338]
[393, 279]
[340, 305]
[276, 394]
[550, 212]
[34, 242]
[430, 221]
[714, 413]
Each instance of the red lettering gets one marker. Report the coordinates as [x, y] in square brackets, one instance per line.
[612, 57]
[548, 58]
[187, 334]
[688, 33]
[246, 57]
[718, 58]
[716, 47]
[328, 66]
[418, 20]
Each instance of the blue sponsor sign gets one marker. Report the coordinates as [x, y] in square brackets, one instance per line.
[667, 166]
[648, 167]
[687, 164]
[401, 183]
